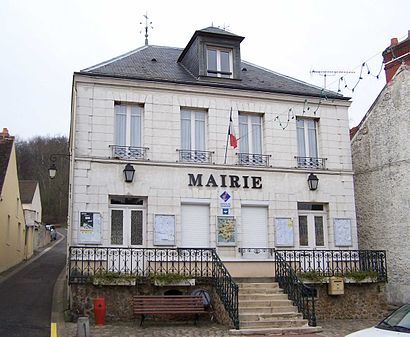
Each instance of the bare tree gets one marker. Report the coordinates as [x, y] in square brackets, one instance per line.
[33, 161]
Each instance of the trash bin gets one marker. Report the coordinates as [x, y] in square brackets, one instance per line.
[99, 310]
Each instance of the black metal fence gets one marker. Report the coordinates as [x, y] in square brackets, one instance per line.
[337, 262]
[85, 262]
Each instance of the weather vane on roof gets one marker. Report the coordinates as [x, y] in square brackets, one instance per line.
[148, 24]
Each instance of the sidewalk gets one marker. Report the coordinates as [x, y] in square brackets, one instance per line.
[336, 328]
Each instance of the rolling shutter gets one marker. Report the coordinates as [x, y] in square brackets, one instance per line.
[254, 229]
[195, 226]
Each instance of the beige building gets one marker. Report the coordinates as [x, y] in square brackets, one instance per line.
[380, 149]
[36, 234]
[12, 223]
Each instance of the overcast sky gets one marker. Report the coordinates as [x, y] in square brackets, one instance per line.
[44, 41]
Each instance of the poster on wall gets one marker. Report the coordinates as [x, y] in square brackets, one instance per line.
[90, 227]
[343, 232]
[164, 230]
[284, 232]
[226, 231]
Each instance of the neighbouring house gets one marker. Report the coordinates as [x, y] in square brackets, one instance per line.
[12, 223]
[380, 150]
[31, 200]
[193, 161]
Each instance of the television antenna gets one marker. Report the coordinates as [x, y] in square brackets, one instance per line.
[326, 73]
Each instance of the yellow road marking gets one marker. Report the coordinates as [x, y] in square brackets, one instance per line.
[53, 330]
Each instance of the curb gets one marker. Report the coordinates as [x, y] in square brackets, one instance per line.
[57, 311]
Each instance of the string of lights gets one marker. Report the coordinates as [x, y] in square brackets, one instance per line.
[365, 70]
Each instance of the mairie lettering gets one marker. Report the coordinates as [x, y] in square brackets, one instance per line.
[223, 180]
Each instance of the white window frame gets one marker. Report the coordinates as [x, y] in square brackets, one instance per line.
[218, 62]
[128, 124]
[306, 138]
[193, 119]
[311, 229]
[251, 145]
[126, 229]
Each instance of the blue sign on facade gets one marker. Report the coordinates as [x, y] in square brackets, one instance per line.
[225, 196]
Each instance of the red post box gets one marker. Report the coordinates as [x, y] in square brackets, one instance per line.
[99, 310]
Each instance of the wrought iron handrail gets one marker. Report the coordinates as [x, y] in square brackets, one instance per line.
[129, 152]
[226, 288]
[311, 162]
[253, 159]
[195, 156]
[85, 262]
[337, 262]
[301, 295]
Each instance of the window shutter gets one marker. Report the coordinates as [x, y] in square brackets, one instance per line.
[195, 226]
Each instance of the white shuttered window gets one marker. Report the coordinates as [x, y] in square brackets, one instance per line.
[254, 229]
[195, 226]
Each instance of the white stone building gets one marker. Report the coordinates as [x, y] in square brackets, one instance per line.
[380, 151]
[165, 113]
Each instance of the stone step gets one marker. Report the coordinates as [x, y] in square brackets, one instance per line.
[253, 316]
[260, 291]
[275, 323]
[258, 285]
[262, 297]
[264, 303]
[267, 310]
[275, 331]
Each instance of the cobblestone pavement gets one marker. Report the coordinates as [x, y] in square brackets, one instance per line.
[334, 328]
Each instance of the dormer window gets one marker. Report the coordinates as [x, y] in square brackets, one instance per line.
[219, 62]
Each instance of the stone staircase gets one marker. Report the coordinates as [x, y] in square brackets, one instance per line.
[265, 309]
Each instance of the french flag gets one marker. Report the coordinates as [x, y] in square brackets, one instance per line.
[231, 132]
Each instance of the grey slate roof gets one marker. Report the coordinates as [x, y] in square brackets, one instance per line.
[156, 63]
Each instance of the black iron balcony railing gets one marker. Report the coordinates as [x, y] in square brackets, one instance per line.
[337, 262]
[129, 152]
[195, 156]
[252, 159]
[204, 263]
[300, 294]
[311, 162]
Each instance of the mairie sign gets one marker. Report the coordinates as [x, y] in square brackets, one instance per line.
[224, 180]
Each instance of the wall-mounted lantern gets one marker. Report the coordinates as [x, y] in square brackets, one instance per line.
[313, 182]
[52, 171]
[129, 173]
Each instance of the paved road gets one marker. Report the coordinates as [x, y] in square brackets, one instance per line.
[26, 296]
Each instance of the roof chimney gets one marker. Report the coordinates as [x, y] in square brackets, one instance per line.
[395, 55]
[4, 133]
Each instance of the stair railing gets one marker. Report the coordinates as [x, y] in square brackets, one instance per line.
[226, 288]
[301, 295]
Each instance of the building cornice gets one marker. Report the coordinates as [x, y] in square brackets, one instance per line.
[202, 88]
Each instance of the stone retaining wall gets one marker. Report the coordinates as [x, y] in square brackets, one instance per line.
[118, 300]
[360, 301]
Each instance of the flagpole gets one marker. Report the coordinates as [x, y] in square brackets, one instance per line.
[227, 136]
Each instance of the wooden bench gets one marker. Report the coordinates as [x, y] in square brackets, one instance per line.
[168, 305]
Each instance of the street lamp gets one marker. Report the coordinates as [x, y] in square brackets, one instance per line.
[52, 171]
[313, 182]
[129, 173]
